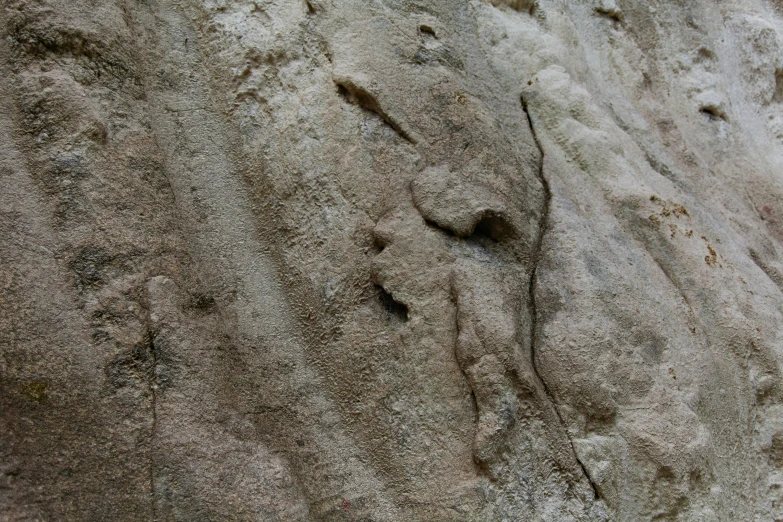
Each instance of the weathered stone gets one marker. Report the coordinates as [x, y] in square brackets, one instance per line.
[393, 260]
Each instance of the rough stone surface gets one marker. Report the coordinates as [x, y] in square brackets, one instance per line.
[391, 260]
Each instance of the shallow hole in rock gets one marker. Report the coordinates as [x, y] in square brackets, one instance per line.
[704, 54]
[395, 312]
[491, 227]
[522, 6]
[202, 302]
[713, 113]
[343, 91]
[665, 474]
[610, 14]
[378, 244]
[427, 30]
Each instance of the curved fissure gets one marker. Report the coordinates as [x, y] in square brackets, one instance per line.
[532, 297]
[151, 378]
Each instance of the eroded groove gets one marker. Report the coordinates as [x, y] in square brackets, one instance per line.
[356, 95]
[151, 379]
[771, 274]
[482, 467]
[532, 296]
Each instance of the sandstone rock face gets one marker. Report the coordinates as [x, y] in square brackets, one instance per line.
[391, 260]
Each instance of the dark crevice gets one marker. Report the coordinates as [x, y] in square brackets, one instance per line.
[777, 96]
[435, 226]
[395, 311]
[593, 485]
[491, 227]
[475, 405]
[202, 302]
[524, 6]
[532, 296]
[152, 372]
[713, 113]
[149, 352]
[356, 95]
[378, 242]
[612, 15]
[427, 30]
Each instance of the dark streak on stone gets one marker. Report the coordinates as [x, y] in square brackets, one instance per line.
[356, 95]
[152, 380]
[154, 428]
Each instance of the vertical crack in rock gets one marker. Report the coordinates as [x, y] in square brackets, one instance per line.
[151, 380]
[154, 428]
[532, 296]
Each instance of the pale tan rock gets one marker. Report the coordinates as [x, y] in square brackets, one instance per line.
[393, 260]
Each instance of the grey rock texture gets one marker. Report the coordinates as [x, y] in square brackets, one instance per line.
[391, 260]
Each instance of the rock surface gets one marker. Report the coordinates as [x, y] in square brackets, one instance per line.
[391, 260]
